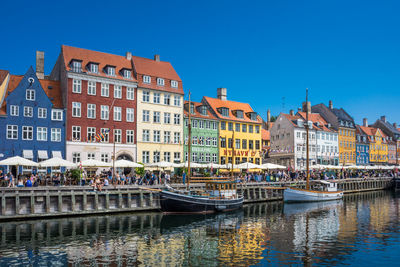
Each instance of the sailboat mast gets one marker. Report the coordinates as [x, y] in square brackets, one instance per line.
[233, 152]
[307, 146]
[189, 141]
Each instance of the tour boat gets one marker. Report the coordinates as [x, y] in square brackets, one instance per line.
[218, 196]
[325, 190]
[321, 191]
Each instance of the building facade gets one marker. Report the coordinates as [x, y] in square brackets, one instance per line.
[362, 147]
[239, 129]
[99, 91]
[393, 133]
[32, 118]
[205, 135]
[160, 111]
[344, 124]
[378, 149]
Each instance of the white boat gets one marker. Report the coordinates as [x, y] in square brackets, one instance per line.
[319, 191]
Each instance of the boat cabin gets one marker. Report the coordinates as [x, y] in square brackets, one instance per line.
[324, 186]
[223, 189]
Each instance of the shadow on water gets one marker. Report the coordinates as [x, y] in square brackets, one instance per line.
[325, 233]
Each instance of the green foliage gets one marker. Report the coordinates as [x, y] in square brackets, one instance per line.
[273, 118]
[75, 174]
[140, 170]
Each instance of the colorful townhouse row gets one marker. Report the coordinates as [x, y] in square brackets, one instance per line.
[334, 139]
[94, 105]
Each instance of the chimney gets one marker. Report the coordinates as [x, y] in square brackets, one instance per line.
[40, 64]
[395, 125]
[128, 55]
[330, 104]
[268, 115]
[291, 112]
[221, 93]
[157, 58]
[365, 122]
[383, 118]
[307, 107]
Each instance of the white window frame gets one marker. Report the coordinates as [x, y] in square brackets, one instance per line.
[76, 109]
[28, 111]
[91, 111]
[76, 157]
[14, 110]
[30, 95]
[174, 84]
[146, 79]
[156, 117]
[12, 132]
[177, 137]
[56, 115]
[167, 99]
[127, 74]
[111, 71]
[91, 133]
[76, 86]
[41, 133]
[91, 88]
[167, 137]
[76, 130]
[117, 136]
[156, 98]
[177, 119]
[42, 113]
[146, 116]
[27, 130]
[130, 93]
[146, 156]
[56, 134]
[105, 112]
[160, 82]
[130, 114]
[117, 91]
[167, 118]
[117, 113]
[177, 100]
[146, 135]
[130, 136]
[105, 157]
[146, 96]
[105, 89]
[94, 68]
[156, 136]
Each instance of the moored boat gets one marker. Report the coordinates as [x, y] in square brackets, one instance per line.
[321, 191]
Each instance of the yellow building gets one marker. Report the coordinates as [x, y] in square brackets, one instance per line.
[378, 148]
[347, 145]
[240, 130]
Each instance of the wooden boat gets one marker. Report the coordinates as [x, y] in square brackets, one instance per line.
[321, 191]
[219, 196]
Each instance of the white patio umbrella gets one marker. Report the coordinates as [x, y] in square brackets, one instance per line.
[229, 166]
[18, 161]
[273, 166]
[56, 162]
[95, 163]
[192, 165]
[214, 165]
[249, 165]
[123, 163]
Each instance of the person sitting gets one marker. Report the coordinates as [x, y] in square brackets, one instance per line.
[28, 183]
[20, 183]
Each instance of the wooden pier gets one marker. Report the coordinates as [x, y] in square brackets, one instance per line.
[37, 202]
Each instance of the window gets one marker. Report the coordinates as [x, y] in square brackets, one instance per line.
[167, 118]
[237, 127]
[146, 156]
[105, 132]
[177, 119]
[130, 93]
[237, 143]
[207, 157]
[223, 125]
[55, 134]
[244, 128]
[195, 123]
[208, 141]
[239, 114]
[174, 84]
[42, 113]
[30, 94]
[156, 117]
[76, 133]
[225, 112]
[76, 86]
[167, 156]
[177, 156]
[91, 111]
[156, 156]
[258, 144]
[214, 142]
[230, 142]
[177, 137]
[160, 81]
[215, 125]
[130, 114]
[76, 66]
[167, 99]
[250, 128]
[167, 137]
[127, 74]
[214, 158]
[91, 89]
[117, 91]
[105, 89]
[94, 68]
[177, 100]
[156, 98]
[253, 116]
[12, 132]
[76, 157]
[251, 144]
[27, 133]
[91, 155]
[91, 133]
[104, 112]
[130, 136]
[105, 157]
[201, 124]
[244, 144]
[111, 71]
[28, 112]
[117, 113]
[146, 116]
[208, 124]
[146, 79]
[257, 128]
[41, 134]
[146, 136]
[146, 96]
[14, 110]
[156, 136]
[223, 142]
[76, 109]
[117, 135]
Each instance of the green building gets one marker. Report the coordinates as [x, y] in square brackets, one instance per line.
[204, 133]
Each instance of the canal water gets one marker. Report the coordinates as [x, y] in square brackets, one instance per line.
[361, 230]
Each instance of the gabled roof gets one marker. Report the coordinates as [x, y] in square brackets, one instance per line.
[371, 131]
[292, 118]
[103, 59]
[316, 118]
[197, 114]
[389, 126]
[216, 103]
[265, 134]
[342, 114]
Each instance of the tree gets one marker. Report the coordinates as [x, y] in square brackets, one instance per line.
[273, 118]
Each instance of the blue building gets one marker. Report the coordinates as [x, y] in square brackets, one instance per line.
[32, 118]
[362, 147]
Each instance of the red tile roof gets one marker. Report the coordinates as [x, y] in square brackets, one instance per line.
[103, 59]
[197, 114]
[3, 75]
[216, 103]
[265, 134]
[54, 94]
[371, 131]
[316, 117]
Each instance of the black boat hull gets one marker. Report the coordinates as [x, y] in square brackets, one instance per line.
[178, 203]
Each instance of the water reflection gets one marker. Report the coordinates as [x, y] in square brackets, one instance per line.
[361, 229]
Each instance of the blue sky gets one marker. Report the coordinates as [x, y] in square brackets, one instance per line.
[265, 52]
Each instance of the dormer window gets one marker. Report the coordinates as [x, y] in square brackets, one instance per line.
[253, 116]
[224, 112]
[160, 81]
[127, 74]
[146, 79]
[76, 66]
[94, 68]
[299, 122]
[239, 114]
[191, 108]
[203, 110]
[110, 70]
[174, 84]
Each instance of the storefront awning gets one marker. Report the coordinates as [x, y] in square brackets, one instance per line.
[28, 154]
[42, 154]
[57, 154]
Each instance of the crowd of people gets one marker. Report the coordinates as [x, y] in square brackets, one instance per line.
[106, 177]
